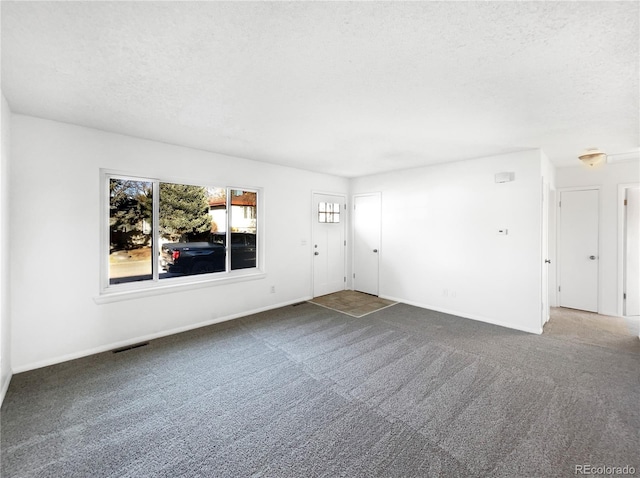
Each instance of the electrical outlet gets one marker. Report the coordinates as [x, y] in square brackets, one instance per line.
[273, 289]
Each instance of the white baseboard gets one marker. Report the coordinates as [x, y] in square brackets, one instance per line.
[4, 388]
[145, 338]
[464, 315]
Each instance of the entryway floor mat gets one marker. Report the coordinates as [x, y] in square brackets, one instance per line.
[353, 303]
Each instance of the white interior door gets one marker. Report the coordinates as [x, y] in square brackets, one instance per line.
[578, 249]
[328, 244]
[632, 253]
[366, 243]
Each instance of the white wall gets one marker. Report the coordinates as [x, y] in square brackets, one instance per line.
[440, 248]
[608, 177]
[5, 318]
[55, 238]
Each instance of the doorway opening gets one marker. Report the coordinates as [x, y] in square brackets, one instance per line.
[630, 233]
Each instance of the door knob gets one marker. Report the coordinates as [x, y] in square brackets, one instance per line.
[593, 258]
[375, 250]
[316, 253]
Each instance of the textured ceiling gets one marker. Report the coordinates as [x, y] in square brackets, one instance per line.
[348, 88]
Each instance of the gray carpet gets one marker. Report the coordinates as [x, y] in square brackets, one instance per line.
[304, 391]
[590, 328]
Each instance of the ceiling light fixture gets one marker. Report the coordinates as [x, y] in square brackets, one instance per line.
[592, 156]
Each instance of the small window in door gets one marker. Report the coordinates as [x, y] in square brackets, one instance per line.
[328, 212]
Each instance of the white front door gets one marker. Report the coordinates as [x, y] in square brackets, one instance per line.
[328, 250]
[632, 253]
[366, 242]
[578, 251]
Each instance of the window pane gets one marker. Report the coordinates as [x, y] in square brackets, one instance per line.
[243, 225]
[191, 220]
[130, 230]
[328, 212]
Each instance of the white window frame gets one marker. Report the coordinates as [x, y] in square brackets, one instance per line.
[155, 286]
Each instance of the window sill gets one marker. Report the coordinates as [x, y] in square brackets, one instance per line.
[160, 288]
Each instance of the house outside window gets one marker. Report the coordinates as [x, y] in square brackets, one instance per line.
[161, 231]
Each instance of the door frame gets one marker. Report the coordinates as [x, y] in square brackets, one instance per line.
[545, 255]
[314, 217]
[378, 194]
[559, 192]
[622, 233]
